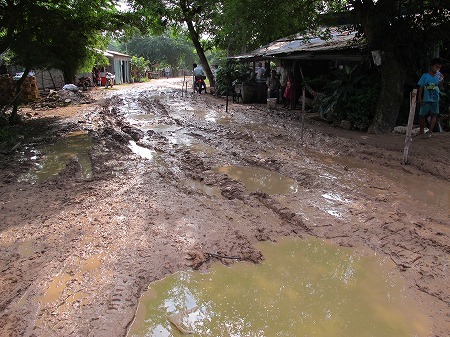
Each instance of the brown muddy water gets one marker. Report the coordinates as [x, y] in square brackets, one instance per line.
[255, 179]
[305, 287]
[56, 157]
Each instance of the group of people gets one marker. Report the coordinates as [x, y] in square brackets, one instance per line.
[280, 85]
[98, 73]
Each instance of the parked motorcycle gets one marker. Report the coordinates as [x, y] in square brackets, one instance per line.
[84, 82]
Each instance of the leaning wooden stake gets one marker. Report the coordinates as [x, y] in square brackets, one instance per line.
[412, 112]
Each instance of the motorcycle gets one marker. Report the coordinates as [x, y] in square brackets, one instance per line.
[199, 84]
[84, 82]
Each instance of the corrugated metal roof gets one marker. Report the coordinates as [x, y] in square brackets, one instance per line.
[338, 40]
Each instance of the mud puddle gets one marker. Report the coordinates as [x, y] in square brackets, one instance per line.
[255, 179]
[305, 287]
[56, 157]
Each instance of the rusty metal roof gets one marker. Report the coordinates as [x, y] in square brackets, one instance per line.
[298, 45]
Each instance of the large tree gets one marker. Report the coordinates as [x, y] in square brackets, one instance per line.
[196, 16]
[408, 33]
[61, 34]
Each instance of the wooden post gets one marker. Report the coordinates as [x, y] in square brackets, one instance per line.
[412, 112]
[182, 86]
[226, 105]
[303, 112]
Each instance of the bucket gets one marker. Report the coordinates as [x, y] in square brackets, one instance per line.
[271, 103]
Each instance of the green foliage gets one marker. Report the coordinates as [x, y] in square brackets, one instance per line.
[139, 66]
[347, 94]
[229, 73]
[246, 25]
[173, 50]
[56, 34]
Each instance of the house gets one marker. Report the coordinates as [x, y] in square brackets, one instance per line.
[305, 56]
[120, 65]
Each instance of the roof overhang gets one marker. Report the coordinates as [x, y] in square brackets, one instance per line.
[338, 45]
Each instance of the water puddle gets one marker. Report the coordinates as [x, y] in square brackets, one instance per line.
[141, 151]
[212, 191]
[56, 157]
[212, 116]
[304, 287]
[201, 148]
[162, 128]
[255, 179]
[139, 119]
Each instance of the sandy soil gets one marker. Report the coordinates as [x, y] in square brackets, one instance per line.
[77, 253]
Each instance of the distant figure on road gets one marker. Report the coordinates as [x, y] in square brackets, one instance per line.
[167, 71]
[109, 80]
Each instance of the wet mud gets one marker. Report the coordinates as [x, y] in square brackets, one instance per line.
[77, 253]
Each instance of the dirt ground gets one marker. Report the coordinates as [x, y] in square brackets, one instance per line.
[76, 252]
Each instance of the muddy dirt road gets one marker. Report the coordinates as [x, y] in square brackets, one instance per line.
[77, 250]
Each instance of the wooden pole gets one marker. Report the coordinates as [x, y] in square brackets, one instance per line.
[303, 112]
[182, 86]
[226, 105]
[412, 112]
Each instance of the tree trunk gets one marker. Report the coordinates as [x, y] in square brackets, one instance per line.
[14, 118]
[200, 51]
[393, 75]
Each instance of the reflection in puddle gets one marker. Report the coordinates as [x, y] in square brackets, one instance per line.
[303, 288]
[75, 144]
[255, 178]
[141, 151]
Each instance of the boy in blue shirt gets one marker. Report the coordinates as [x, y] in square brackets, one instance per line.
[428, 96]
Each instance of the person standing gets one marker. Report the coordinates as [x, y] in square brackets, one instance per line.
[273, 86]
[428, 95]
[289, 92]
[260, 71]
[283, 75]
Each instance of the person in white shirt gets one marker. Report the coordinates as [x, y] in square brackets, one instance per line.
[260, 71]
[199, 74]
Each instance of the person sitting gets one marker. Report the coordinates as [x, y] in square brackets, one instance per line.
[273, 86]
[199, 76]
